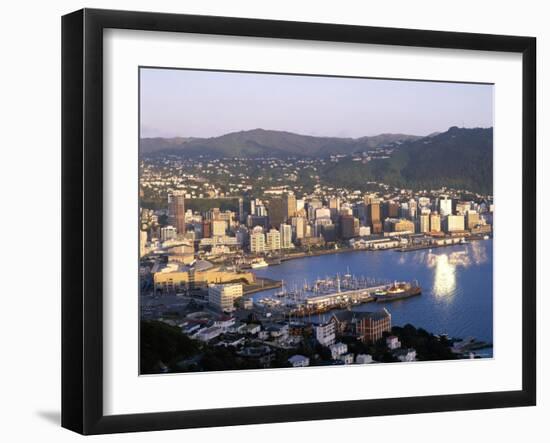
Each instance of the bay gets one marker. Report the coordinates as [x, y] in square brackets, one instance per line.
[456, 281]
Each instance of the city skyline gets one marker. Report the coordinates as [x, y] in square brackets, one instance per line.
[197, 103]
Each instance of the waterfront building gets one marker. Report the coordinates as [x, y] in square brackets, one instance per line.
[325, 333]
[167, 233]
[197, 273]
[257, 240]
[372, 326]
[298, 361]
[219, 227]
[472, 219]
[273, 240]
[445, 205]
[286, 236]
[364, 231]
[424, 220]
[435, 222]
[222, 296]
[276, 212]
[454, 223]
[176, 211]
[399, 225]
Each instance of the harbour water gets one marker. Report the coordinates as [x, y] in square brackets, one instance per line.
[456, 281]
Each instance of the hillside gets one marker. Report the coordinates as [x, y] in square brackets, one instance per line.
[267, 143]
[458, 158]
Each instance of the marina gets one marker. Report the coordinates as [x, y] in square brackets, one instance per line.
[456, 297]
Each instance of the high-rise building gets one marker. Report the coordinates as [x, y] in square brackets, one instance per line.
[435, 222]
[399, 225]
[454, 223]
[290, 206]
[425, 220]
[298, 227]
[373, 217]
[445, 205]
[322, 213]
[176, 212]
[257, 240]
[390, 209]
[472, 219]
[276, 212]
[349, 226]
[286, 236]
[273, 240]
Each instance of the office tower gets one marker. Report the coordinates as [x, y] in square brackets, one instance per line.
[373, 217]
[273, 240]
[257, 240]
[322, 213]
[454, 223]
[435, 222]
[390, 209]
[286, 236]
[425, 220]
[176, 210]
[399, 225]
[290, 206]
[349, 226]
[276, 212]
[445, 205]
[298, 227]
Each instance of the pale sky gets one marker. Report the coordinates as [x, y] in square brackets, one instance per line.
[189, 103]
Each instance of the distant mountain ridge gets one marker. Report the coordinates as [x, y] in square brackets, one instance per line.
[268, 143]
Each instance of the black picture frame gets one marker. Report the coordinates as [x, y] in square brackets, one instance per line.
[82, 253]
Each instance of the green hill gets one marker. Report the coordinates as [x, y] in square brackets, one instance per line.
[267, 143]
[460, 158]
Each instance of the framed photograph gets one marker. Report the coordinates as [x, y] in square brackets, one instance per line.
[269, 221]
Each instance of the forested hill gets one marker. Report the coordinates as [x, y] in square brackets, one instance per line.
[460, 158]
